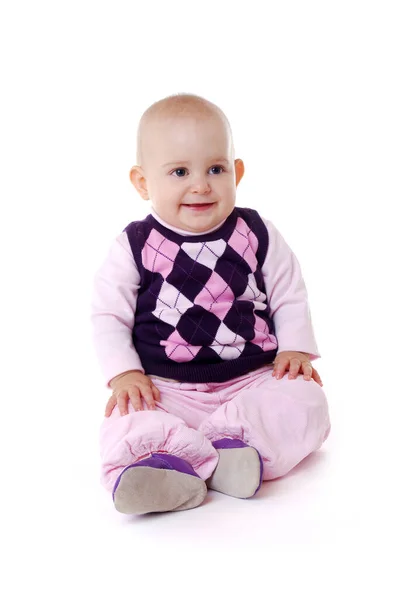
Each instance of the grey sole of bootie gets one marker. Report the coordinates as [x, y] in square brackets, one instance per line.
[144, 490]
[237, 473]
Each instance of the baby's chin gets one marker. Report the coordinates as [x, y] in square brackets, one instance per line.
[198, 227]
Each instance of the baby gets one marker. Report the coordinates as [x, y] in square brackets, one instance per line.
[202, 329]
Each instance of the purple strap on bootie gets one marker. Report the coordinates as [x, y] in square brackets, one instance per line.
[160, 460]
[226, 443]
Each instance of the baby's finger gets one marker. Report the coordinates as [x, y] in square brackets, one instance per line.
[122, 401]
[135, 398]
[295, 363]
[110, 406]
[156, 393]
[280, 367]
[307, 369]
[316, 377]
[147, 395]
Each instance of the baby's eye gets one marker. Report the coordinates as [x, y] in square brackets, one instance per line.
[180, 172]
[216, 169]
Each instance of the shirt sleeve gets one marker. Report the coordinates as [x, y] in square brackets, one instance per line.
[287, 297]
[114, 298]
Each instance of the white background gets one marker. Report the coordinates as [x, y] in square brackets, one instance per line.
[312, 90]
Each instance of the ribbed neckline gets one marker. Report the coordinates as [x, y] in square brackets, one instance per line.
[183, 231]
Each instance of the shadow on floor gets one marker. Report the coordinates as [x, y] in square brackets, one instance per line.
[312, 464]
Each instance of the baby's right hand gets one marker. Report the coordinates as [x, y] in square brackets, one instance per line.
[132, 386]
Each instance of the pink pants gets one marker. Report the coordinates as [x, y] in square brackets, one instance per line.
[285, 420]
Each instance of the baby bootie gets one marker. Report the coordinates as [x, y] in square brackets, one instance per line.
[239, 471]
[163, 482]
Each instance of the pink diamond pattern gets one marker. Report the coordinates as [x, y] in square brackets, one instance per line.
[178, 349]
[245, 243]
[158, 254]
[216, 296]
[263, 338]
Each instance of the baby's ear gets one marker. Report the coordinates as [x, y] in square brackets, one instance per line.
[239, 170]
[138, 180]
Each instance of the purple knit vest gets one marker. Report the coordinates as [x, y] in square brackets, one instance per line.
[202, 314]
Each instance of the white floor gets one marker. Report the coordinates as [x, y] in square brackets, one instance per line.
[330, 527]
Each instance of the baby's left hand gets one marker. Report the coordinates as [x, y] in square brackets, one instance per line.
[295, 362]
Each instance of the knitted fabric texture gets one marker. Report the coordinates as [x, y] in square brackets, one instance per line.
[202, 313]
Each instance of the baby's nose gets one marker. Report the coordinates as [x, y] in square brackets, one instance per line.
[200, 185]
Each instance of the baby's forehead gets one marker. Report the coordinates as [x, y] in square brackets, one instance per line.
[183, 134]
[167, 119]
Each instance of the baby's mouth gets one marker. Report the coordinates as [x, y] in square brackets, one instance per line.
[199, 205]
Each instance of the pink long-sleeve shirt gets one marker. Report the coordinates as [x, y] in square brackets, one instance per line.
[115, 294]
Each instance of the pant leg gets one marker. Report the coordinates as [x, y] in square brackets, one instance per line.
[285, 420]
[171, 428]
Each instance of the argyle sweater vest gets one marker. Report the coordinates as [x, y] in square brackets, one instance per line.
[202, 313]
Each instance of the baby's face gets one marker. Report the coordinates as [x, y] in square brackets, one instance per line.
[190, 172]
